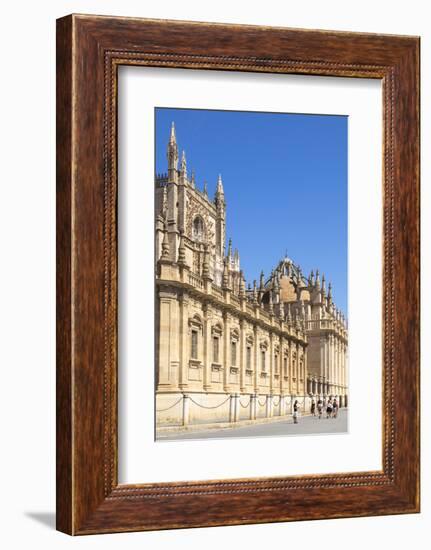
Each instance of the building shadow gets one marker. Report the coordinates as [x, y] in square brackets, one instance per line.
[45, 518]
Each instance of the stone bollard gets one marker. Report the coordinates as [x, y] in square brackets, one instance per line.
[232, 407]
[237, 405]
[186, 409]
[253, 399]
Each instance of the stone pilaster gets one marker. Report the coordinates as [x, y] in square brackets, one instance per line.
[167, 341]
[226, 352]
[298, 369]
[305, 369]
[323, 362]
[242, 352]
[184, 340]
[255, 359]
[207, 348]
[291, 371]
[271, 362]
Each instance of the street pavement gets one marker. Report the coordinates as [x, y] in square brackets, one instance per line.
[307, 425]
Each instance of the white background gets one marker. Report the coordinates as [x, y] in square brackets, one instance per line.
[141, 458]
[27, 276]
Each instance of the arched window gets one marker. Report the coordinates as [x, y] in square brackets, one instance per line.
[195, 331]
[233, 353]
[234, 338]
[194, 344]
[198, 229]
[262, 361]
[263, 349]
[276, 361]
[249, 347]
[216, 332]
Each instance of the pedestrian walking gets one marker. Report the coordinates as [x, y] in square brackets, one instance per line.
[320, 408]
[329, 409]
[313, 407]
[334, 409]
[295, 412]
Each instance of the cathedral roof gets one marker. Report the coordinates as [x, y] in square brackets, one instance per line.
[286, 267]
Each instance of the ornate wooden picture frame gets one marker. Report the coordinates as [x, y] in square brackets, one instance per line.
[89, 51]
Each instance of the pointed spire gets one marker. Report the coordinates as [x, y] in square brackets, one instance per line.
[255, 292]
[289, 313]
[229, 249]
[299, 281]
[225, 282]
[262, 281]
[312, 281]
[330, 292]
[219, 190]
[172, 154]
[193, 180]
[182, 251]
[205, 265]
[165, 201]
[323, 285]
[270, 304]
[165, 243]
[205, 188]
[317, 280]
[173, 137]
[183, 163]
[241, 285]
[219, 195]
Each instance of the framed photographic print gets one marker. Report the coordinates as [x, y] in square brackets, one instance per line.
[237, 276]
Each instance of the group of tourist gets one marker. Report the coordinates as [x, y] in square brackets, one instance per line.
[318, 409]
[331, 407]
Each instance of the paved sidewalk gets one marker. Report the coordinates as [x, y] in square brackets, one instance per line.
[307, 425]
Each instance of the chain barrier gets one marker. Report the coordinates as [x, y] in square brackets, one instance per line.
[262, 404]
[170, 407]
[245, 406]
[206, 406]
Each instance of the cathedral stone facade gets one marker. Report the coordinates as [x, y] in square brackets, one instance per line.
[225, 351]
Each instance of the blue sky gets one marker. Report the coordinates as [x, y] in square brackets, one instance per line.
[285, 183]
